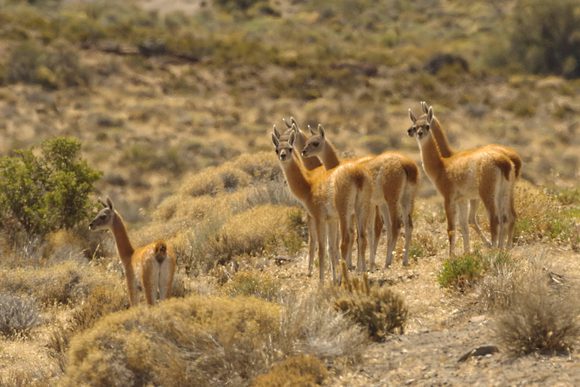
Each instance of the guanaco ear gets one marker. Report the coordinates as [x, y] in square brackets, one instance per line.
[288, 125]
[425, 107]
[276, 132]
[320, 130]
[103, 203]
[430, 115]
[275, 140]
[292, 138]
[412, 116]
[294, 122]
[312, 130]
[109, 203]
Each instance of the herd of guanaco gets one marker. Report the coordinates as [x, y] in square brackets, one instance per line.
[379, 190]
[363, 194]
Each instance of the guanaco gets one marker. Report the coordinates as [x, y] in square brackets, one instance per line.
[510, 153]
[464, 176]
[310, 164]
[331, 198]
[395, 178]
[150, 267]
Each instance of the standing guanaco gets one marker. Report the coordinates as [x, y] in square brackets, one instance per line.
[510, 153]
[464, 176]
[150, 267]
[331, 198]
[395, 178]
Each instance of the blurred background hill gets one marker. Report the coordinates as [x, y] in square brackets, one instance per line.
[158, 89]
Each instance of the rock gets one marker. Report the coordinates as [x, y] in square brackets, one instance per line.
[479, 351]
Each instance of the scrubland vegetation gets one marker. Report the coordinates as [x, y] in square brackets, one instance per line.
[166, 107]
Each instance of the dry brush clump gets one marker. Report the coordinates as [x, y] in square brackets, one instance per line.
[541, 317]
[299, 370]
[541, 216]
[18, 315]
[461, 272]
[378, 309]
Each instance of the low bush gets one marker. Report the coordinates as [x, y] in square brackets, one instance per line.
[540, 318]
[300, 370]
[461, 272]
[380, 310]
[18, 315]
[192, 341]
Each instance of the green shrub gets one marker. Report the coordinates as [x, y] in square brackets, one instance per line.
[380, 310]
[48, 191]
[461, 272]
[17, 315]
[545, 36]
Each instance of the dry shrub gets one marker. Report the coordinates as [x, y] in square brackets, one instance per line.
[300, 370]
[18, 315]
[262, 166]
[192, 341]
[380, 310]
[310, 324]
[540, 216]
[541, 318]
[212, 181]
[255, 284]
[499, 283]
[257, 231]
[57, 284]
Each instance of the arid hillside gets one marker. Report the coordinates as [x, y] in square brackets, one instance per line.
[174, 102]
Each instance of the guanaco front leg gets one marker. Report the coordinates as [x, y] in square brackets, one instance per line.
[312, 241]
[450, 212]
[333, 249]
[165, 280]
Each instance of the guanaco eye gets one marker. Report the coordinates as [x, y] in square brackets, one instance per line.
[315, 144]
[102, 217]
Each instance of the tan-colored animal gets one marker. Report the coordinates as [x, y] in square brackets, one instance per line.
[310, 164]
[464, 176]
[510, 153]
[331, 198]
[150, 268]
[395, 178]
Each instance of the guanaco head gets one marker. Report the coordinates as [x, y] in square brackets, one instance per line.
[104, 218]
[421, 126]
[283, 146]
[292, 126]
[315, 144]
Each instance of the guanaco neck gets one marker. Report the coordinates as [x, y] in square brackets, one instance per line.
[441, 138]
[328, 156]
[124, 246]
[309, 163]
[297, 179]
[433, 162]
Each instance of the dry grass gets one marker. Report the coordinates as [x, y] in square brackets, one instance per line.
[18, 315]
[260, 285]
